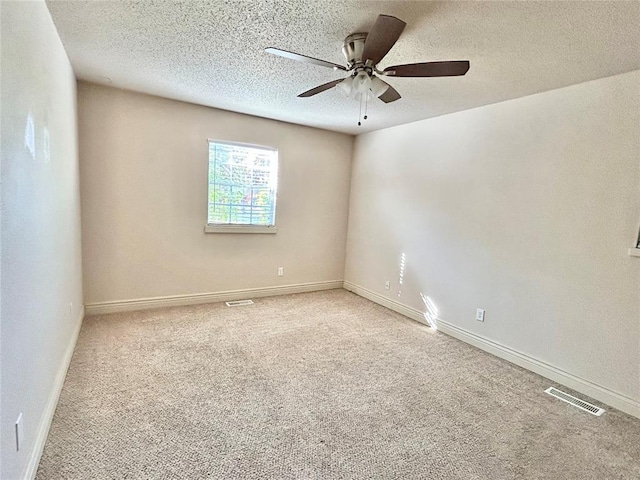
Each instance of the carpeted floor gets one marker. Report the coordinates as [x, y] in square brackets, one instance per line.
[323, 385]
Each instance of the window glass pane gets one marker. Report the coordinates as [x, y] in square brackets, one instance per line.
[246, 196]
[242, 184]
[221, 173]
[218, 214]
[219, 193]
[261, 196]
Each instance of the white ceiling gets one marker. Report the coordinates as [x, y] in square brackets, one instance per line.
[212, 53]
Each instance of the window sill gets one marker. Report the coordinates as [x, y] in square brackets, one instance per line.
[634, 252]
[239, 229]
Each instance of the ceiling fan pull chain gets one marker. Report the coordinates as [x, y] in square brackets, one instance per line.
[366, 104]
[360, 113]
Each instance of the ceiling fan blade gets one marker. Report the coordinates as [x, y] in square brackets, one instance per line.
[321, 88]
[390, 95]
[430, 69]
[303, 58]
[382, 37]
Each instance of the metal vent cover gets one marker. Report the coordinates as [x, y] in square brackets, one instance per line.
[239, 303]
[576, 402]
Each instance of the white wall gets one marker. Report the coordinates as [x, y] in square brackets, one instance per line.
[41, 259]
[144, 164]
[525, 208]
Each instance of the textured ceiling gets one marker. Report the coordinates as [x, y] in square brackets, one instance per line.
[212, 53]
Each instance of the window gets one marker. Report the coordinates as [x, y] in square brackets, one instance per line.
[243, 180]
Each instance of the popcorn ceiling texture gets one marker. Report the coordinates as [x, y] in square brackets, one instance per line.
[212, 53]
[325, 385]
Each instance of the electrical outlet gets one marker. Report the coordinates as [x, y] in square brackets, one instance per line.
[280, 271]
[480, 315]
[18, 432]
[387, 285]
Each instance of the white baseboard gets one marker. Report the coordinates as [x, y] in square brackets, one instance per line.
[198, 298]
[593, 390]
[391, 304]
[52, 402]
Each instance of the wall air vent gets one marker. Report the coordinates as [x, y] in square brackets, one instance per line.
[576, 402]
[239, 303]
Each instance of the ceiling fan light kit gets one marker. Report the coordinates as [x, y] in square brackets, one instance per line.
[346, 86]
[378, 87]
[363, 52]
[362, 85]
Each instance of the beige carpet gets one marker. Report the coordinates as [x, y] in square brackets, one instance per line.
[322, 385]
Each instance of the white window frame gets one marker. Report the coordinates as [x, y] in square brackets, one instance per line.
[236, 227]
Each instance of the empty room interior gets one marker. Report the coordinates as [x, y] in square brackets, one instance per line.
[320, 240]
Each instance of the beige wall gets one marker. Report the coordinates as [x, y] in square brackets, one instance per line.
[525, 208]
[144, 200]
[41, 261]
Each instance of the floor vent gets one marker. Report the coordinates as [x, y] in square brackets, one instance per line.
[576, 402]
[239, 303]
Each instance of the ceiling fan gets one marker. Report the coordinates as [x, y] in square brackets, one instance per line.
[363, 52]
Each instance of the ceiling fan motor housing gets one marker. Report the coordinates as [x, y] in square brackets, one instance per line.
[353, 47]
